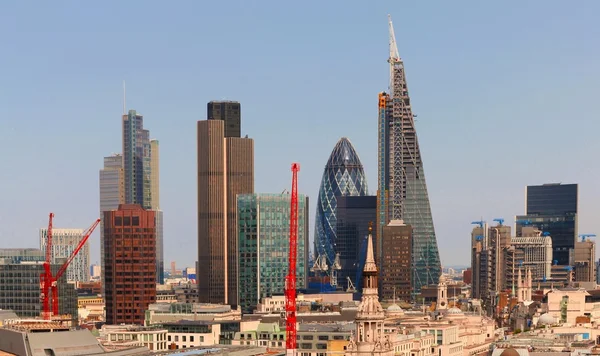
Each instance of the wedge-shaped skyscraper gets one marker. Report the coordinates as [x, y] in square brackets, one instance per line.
[402, 190]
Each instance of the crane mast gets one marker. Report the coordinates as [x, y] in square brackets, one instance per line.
[290, 280]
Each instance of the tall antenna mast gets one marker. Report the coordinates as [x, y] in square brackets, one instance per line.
[124, 106]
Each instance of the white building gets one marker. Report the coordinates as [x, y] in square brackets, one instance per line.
[537, 254]
[64, 242]
[124, 336]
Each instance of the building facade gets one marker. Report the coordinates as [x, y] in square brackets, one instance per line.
[343, 176]
[20, 271]
[64, 243]
[584, 261]
[154, 175]
[353, 215]
[130, 263]
[402, 188]
[112, 193]
[136, 160]
[263, 250]
[396, 270]
[225, 169]
[230, 112]
[552, 208]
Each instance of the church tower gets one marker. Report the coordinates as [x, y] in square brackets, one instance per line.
[442, 296]
[369, 338]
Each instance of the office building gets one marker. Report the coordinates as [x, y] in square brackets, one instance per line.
[95, 271]
[225, 169]
[552, 208]
[230, 112]
[136, 160]
[20, 271]
[263, 250]
[478, 246]
[353, 215]
[585, 260]
[154, 175]
[537, 252]
[343, 176]
[402, 188]
[112, 193]
[130, 263]
[396, 270]
[64, 243]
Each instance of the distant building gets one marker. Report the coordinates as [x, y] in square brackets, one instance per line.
[552, 208]
[354, 213]
[225, 169]
[20, 271]
[396, 272]
[130, 263]
[95, 271]
[263, 250]
[112, 193]
[64, 242]
[584, 258]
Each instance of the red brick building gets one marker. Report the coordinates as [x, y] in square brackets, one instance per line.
[129, 263]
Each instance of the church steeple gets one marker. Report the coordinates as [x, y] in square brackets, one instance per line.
[369, 337]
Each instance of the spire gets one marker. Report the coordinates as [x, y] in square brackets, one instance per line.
[370, 265]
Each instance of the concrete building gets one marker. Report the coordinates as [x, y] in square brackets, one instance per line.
[585, 257]
[64, 242]
[130, 263]
[396, 272]
[159, 313]
[20, 271]
[263, 250]
[95, 271]
[112, 193]
[537, 252]
[230, 112]
[128, 336]
[41, 338]
[225, 169]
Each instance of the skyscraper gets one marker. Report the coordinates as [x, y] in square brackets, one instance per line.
[136, 160]
[225, 169]
[112, 193]
[402, 189]
[353, 215]
[396, 269]
[552, 208]
[229, 112]
[141, 176]
[343, 176]
[264, 225]
[64, 242]
[130, 263]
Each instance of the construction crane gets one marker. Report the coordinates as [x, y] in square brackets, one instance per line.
[290, 280]
[500, 221]
[480, 223]
[48, 281]
[585, 236]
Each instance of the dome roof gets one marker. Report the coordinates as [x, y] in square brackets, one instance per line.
[546, 319]
[442, 279]
[509, 352]
[454, 310]
[344, 154]
[394, 309]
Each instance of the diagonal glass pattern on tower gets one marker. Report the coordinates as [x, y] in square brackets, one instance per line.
[402, 189]
[343, 176]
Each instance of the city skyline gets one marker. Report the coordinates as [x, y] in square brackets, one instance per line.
[455, 128]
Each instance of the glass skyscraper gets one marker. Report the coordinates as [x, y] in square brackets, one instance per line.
[263, 246]
[552, 208]
[343, 176]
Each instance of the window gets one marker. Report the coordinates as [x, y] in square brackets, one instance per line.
[183, 338]
[192, 338]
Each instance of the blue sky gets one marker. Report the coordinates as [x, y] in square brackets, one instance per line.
[504, 93]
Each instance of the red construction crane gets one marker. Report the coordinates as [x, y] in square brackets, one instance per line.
[49, 282]
[290, 280]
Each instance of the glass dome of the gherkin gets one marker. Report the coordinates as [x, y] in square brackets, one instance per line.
[343, 176]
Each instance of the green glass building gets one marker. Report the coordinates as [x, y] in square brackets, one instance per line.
[263, 246]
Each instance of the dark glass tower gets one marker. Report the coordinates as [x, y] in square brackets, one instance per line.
[354, 213]
[402, 188]
[343, 176]
[229, 112]
[136, 160]
[552, 208]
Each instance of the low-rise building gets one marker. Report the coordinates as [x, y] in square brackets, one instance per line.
[117, 337]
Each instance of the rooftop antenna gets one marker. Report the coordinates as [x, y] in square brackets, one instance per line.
[124, 110]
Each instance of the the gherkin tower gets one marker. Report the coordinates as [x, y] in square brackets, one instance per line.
[402, 189]
[343, 176]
